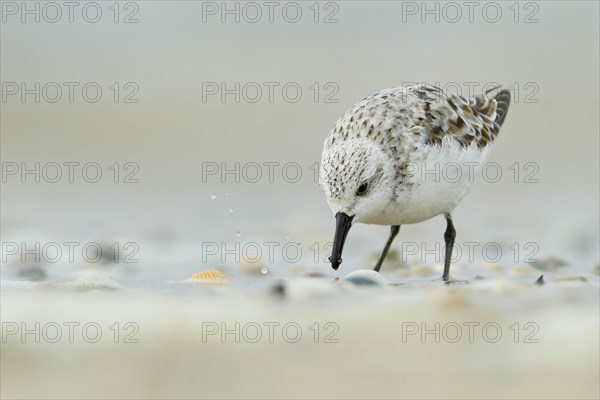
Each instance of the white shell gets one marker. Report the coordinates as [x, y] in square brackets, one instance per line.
[91, 281]
[365, 277]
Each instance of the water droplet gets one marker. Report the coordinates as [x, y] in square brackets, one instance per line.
[226, 193]
[238, 234]
[213, 196]
[264, 270]
[231, 210]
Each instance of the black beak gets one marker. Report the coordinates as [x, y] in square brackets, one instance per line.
[343, 223]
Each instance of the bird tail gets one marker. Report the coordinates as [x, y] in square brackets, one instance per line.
[494, 109]
[502, 104]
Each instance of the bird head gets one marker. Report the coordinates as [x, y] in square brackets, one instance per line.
[358, 180]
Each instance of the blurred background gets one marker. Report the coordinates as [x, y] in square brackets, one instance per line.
[206, 121]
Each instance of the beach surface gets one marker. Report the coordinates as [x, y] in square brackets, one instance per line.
[402, 334]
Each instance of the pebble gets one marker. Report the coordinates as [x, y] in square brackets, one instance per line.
[32, 272]
[302, 288]
[365, 277]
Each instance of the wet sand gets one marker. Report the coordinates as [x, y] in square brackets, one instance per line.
[400, 335]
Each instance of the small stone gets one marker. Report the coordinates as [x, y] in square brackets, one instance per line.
[279, 289]
[315, 275]
[365, 277]
[32, 272]
[302, 288]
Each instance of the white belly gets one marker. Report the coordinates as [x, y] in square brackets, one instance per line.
[440, 177]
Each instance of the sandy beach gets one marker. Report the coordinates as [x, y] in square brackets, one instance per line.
[310, 337]
[164, 234]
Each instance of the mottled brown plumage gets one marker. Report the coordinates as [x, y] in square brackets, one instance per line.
[425, 112]
[379, 158]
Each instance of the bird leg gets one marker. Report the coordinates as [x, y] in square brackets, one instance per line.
[449, 237]
[393, 232]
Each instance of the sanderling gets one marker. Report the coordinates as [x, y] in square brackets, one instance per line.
[377, 160]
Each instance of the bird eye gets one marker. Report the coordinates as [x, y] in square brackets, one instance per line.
[362, 189]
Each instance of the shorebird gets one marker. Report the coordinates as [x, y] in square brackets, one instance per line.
[381, 162]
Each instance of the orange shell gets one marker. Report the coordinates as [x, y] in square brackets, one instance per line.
[210, 276]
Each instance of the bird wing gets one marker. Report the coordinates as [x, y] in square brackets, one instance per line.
[466, 120]
[422, 113]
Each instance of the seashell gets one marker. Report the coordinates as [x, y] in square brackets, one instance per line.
[210, 276]
[92, 281]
